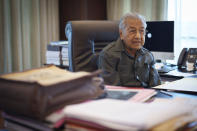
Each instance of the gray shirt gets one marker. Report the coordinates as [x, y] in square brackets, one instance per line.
[120, 68]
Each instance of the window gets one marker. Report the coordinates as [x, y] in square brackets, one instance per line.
[183, 12]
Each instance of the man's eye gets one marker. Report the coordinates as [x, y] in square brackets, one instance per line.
[142, 31]
[132, 31]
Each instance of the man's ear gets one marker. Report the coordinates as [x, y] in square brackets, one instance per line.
[121, 34]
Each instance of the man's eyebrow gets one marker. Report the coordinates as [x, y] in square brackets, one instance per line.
[135, 28]
[131, 28]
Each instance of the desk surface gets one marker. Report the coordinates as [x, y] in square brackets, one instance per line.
[177, 75]
[172, 94]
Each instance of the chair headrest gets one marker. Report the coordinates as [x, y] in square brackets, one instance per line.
[86, 39]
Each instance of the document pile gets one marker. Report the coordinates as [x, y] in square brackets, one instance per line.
[110, 114]
[57, 53]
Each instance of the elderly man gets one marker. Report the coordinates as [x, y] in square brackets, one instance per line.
[125, 62]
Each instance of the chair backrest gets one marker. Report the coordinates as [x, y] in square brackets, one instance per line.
[86, 39]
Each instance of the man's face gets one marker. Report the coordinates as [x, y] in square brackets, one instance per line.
[133, 34]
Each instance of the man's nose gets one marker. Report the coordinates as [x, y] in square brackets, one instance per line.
[138, 34]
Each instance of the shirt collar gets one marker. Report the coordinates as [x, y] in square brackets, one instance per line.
[120, 47]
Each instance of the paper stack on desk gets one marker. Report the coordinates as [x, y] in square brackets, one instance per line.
[109, 114]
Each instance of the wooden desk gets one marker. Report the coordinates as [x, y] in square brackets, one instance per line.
[175, 120]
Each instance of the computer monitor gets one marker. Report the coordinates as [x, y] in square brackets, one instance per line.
[160, 39]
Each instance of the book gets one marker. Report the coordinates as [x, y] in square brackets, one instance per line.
[59, 43]
[53, 48]
[12, 126]
[21, 123]
[38, 92]
[110, 114]
[53, 55]
[65, 57]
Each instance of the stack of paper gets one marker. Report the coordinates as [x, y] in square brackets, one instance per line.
[125, 115]
[57, 53]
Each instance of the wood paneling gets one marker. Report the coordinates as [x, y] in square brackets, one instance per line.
[80, 10]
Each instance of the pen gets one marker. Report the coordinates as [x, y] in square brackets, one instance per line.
[166, 93]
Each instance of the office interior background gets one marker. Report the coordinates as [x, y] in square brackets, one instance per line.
[27, 26]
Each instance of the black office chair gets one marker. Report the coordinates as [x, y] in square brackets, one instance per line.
[86, 39]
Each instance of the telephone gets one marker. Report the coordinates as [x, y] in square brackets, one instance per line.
[187, 55]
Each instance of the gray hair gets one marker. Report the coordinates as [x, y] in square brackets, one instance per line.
[132, 16]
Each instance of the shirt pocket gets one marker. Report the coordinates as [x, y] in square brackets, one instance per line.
[124, 73]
